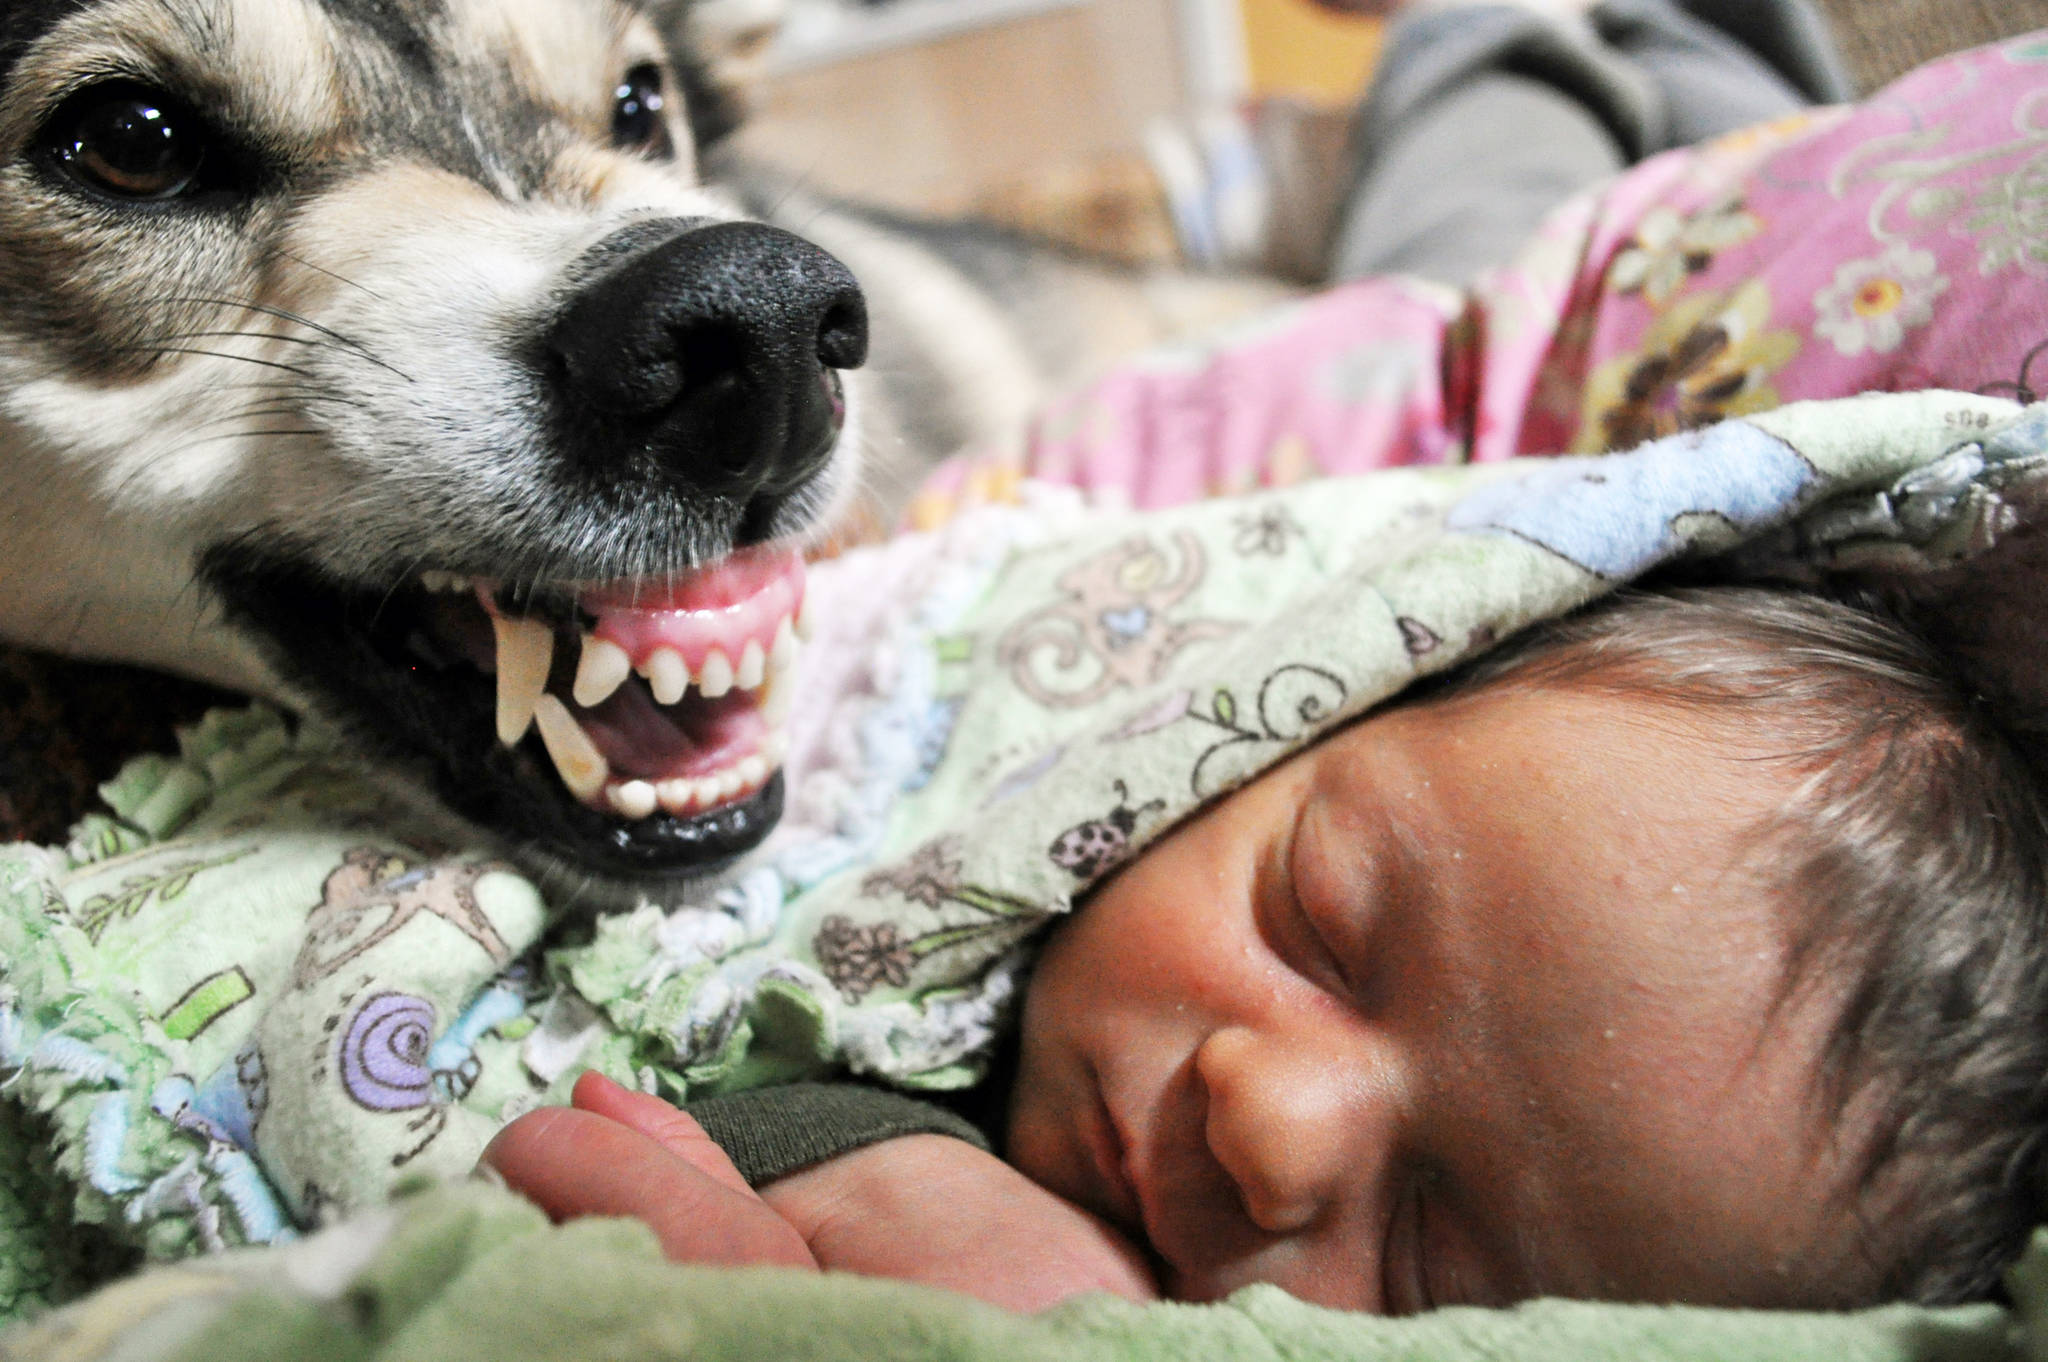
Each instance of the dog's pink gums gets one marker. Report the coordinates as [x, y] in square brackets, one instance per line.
[743, 599]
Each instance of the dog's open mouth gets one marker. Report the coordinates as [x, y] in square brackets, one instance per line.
[628, 728]
[647, 697]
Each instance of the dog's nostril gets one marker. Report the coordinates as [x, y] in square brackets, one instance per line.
[709, 356]
[843, 334]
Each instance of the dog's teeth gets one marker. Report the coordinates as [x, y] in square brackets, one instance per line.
[677, 796]
[633, 798]
[783, 655]
[582, 767]
[753, 772]
[753, 667]
[599, 672]
[714, 678]
[775, 698]
[526, 649]
[668, 676]
[775, 747]
[806, 618]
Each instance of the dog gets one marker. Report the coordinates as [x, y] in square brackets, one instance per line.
[402, 360]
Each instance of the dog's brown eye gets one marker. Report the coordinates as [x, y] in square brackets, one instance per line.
[124, 140]
[637, 122]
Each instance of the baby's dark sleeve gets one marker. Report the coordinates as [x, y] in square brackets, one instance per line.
[768, 1132]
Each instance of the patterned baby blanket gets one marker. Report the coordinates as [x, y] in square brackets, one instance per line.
[256, 998]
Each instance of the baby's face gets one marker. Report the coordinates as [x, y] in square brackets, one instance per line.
[1475, 1001]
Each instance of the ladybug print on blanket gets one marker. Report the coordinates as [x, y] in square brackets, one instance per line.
[1087, 849]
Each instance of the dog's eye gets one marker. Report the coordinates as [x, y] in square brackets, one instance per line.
[126, 140]
[637, 122]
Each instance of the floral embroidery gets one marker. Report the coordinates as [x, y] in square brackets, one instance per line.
[2012, 218]
[1113, 623]
[1669, 249]
[857, 957]
[1266, 530]
[930, 876]
[1709, 357]
[1875, 301]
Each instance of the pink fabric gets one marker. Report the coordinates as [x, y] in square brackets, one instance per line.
[1899, 244]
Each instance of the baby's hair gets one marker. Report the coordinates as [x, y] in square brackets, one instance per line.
[1917, 848]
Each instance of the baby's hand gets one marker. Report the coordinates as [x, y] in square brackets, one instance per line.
[616, 1152]
[929, 1208]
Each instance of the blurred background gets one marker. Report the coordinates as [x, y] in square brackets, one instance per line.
[1203, 131]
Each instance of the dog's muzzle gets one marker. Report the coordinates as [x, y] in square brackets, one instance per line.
[628, 726]
[713, 350]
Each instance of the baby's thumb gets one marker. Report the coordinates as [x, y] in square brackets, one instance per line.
[668, 1126]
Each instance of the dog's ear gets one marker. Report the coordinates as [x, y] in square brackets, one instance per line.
[718, 48]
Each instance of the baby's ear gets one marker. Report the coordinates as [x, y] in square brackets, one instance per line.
[1988, 612]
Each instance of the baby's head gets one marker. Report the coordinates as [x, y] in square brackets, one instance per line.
[1690, 949]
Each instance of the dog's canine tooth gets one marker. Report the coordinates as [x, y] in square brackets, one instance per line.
[526, 649]
[753, 772]
[714, 678]
[753, 667]
[668, 676]
[784, 652]
[806, 618]
[776, 693]
[582, 767]
[601, 669]
[633, 798]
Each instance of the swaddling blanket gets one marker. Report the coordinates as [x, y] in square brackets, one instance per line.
[256, 996]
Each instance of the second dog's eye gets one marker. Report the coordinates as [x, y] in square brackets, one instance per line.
[637, 122]
[125, 140]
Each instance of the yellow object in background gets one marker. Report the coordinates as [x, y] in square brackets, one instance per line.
[1293, 47]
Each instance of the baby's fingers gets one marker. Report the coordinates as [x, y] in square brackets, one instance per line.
[576, 1163]
[672, 1129]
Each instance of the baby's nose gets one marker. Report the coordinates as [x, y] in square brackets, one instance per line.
[1298, 1129]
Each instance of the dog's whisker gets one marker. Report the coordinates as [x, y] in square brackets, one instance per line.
[275, 409]
[217, 354]
[301, 261]
[265, 337]
[298, 393]
[342, 346]
[347, 342]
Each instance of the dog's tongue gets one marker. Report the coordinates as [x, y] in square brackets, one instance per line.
[713, 646]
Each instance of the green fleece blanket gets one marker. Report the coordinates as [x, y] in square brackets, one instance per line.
[256, 999]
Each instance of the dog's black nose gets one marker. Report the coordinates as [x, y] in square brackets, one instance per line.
[712, 351]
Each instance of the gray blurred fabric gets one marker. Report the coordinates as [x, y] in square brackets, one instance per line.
[1481, 118]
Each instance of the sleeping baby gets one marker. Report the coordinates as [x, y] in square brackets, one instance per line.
[1669, 954]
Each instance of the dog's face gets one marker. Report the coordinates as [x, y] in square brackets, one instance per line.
[387, 355]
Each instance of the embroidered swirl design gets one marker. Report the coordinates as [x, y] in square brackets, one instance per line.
[384, 1053]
